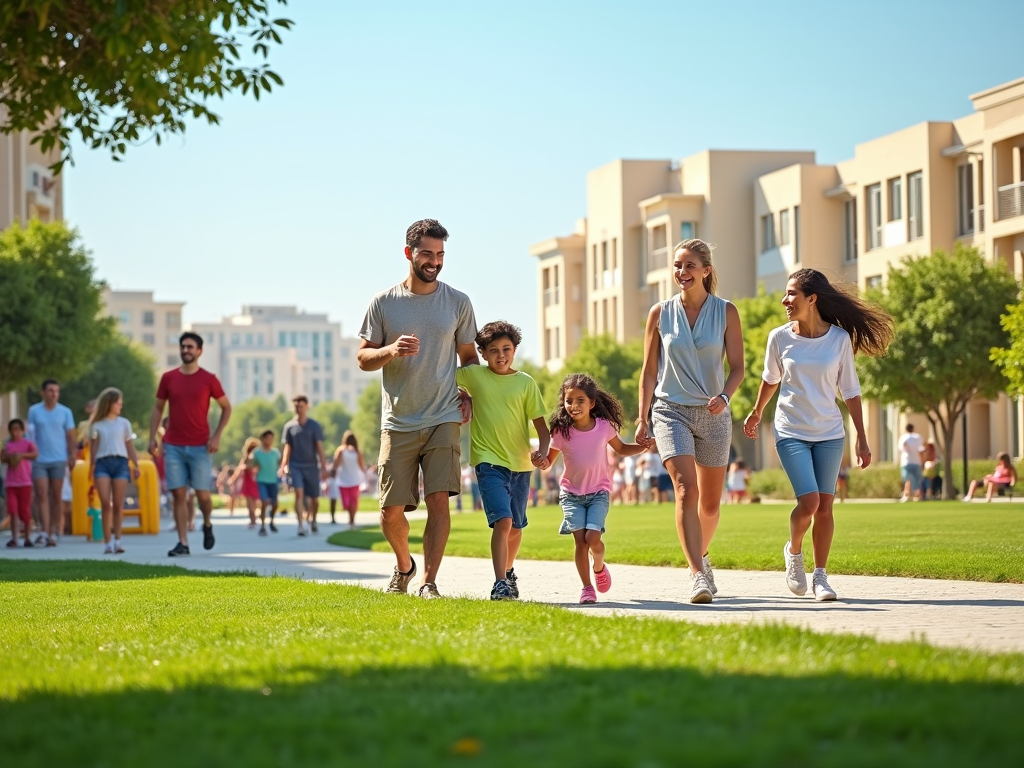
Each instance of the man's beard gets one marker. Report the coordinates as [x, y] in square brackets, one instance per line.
[423, 276]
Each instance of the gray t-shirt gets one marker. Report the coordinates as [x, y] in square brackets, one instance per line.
[419, 392]
[303, 439]
[112, 437]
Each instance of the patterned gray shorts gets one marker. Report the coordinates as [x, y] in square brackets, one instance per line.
[690, 430]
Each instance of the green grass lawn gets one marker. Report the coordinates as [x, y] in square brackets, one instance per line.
[111, 664]
[943, 540]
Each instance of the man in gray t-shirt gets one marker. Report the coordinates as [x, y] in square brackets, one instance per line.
[417, 332]
[303, 440]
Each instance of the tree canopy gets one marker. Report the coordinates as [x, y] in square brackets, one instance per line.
[1010, 358]
[50, 304]
[366, 422]
[335, 419]
[117, 73]
[947, 309]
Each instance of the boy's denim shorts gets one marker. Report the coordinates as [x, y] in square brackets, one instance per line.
[586, 511]
[114, 467]
[188, 466]
[268, 491]
[504, 493]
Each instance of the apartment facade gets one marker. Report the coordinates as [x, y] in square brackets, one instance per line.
[156, 325]
[28, 190]
[270, 350]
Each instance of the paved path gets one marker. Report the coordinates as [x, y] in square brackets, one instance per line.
[965, 614]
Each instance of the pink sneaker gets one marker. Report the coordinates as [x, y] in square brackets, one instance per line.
[588, 595]
[603, 579]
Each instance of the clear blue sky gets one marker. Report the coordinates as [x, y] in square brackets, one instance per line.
[488, 116]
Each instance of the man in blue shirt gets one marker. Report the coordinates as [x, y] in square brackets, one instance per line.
[51, 426]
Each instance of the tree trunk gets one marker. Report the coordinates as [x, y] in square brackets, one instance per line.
[947, 460]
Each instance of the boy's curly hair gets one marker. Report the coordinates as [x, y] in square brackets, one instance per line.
[499, 329]
[605, 405]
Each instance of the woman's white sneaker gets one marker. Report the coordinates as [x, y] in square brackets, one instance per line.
[796, 578]
[701, 592]
[822, 591]
[709, 574]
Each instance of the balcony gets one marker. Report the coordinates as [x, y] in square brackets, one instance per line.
[551, 297]
[1011, 200]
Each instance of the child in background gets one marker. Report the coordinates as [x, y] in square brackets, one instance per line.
[350, 474]
[587, 420]
[266, 460]
[739, 475]
[17, 454]
[110, 448]
[505, 401]
[243, 478]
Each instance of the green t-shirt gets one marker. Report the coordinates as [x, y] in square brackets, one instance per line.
[504, 408]
[268, 462]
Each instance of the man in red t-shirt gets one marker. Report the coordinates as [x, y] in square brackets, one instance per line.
[187, 443]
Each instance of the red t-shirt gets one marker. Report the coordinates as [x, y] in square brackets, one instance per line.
[188, 398]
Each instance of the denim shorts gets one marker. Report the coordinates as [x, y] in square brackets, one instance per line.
[505, 493]
[586, 511]
[49, 470]
[305, 477]
[911, 472]
[268, 491]
[114, 467]
[812, 467]
[187, 466]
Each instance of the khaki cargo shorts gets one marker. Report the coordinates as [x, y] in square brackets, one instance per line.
[436, 450]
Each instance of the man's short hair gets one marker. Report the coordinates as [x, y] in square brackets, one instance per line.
[499, 329]
[424, 228]
[910, 427]
[47, 383]
[12, 422]
[193, 336]
[300, 399]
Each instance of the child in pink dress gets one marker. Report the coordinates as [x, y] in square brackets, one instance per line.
[17, 454]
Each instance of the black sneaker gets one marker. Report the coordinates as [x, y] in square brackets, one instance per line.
[501, 591]
[208, 536]
[273, 528]
[179, 550]
[513, 583]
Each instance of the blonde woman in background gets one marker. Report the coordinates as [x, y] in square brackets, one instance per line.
[110, 451]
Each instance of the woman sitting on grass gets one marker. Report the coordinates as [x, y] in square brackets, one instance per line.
[1004, 477]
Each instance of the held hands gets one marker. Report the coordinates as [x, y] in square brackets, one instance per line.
[540, 460]
[863, 452]
[406, 345]
[750, 425]
[465, 405]
[642, 438]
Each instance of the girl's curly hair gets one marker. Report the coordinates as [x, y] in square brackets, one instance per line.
[605, 405]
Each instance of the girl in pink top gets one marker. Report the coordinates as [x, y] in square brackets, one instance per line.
[17, 454]
[1003, 477]
[588, 420]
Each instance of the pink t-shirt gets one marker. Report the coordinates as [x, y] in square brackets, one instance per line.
[21, 475]
[586, 464]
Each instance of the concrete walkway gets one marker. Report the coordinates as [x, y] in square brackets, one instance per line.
[966, 614]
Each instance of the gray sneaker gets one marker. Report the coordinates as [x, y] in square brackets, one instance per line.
[429, 591]
[701, 592]
[399, 583]
[796, 578]
[513, 583]
[709, 574]
[822, 591]
[501, 591]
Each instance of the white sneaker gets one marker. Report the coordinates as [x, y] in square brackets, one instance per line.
[822, 591]
[796, 579]
[967, 498]
[108, 550]
[904, 499]
[709, 574]
[701, 592]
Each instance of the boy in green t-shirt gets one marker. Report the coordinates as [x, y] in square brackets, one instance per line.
[266, 460]
[505, 401]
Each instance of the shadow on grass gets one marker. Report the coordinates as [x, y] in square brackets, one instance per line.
[561, 716]
[94, 570]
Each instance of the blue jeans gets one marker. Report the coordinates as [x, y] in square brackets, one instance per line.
[187, 466]
[586, 511]
[911, 472]
[505, 493]
[812, 467]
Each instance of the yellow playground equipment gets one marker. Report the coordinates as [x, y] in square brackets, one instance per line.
[142, 500]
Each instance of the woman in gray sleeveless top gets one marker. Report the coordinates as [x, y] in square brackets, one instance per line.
[684, 400]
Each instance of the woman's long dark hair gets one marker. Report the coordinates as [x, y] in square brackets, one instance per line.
[605, 405]
[870, 327]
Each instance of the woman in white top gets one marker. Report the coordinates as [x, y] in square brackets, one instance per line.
[110, 448]
[350, 473]
[808, 360]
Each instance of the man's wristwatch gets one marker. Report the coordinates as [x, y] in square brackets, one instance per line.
[725, 397]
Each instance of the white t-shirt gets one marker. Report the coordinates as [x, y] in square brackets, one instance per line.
[809, 372]
[113, 435]
[349, 474]
[911, 446]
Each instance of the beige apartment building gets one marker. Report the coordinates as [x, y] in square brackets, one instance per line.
[28, 190]
[770, 213]
[156, 325]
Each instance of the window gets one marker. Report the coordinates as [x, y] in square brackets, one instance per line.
[328, 345]
[796, 232]
[915, 204]
[659, 247]
[875, 281]
[316, 386]
[895, 199]
[235, 339]
[328, 388]
[248, 339]
[293, 339]
[148, 319]
[964, 200]
[149, 339]
[316, 345]
[240, 365]
[768, 232]
[687, 230]
[270, 387]
[604, 256]
[850, 230]
[304, 339]
[259, 339]
[256, 387]
[124, 316]
[269, 366]
[594, 264]
[256, 366]
[174, 320]
[282, 339]
[784, 231]
[874, 222]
